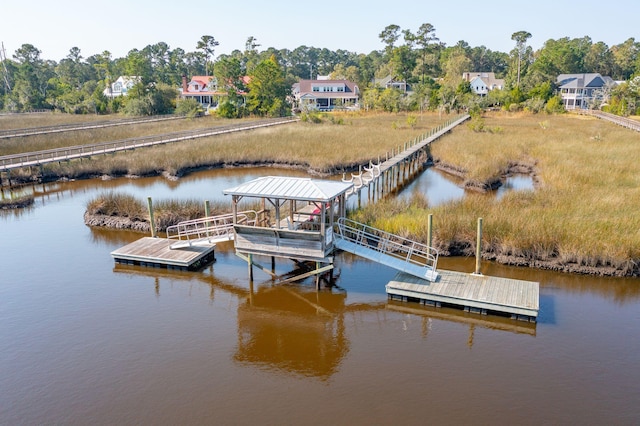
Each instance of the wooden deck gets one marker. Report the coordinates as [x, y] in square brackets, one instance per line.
[480, 294]
[156, 252]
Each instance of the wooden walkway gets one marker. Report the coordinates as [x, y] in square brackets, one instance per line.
[45, 130]
[156, 252]
[37, 158]
[615, 119]
[474, 293]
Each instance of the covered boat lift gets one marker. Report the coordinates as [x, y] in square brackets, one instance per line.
[296, 221]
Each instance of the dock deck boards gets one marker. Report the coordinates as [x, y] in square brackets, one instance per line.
[484, 293]
[149, 251]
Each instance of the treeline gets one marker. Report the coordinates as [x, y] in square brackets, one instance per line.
[434, 71]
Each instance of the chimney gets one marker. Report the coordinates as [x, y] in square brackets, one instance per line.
[184, 83]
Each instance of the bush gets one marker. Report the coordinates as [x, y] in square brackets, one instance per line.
[189, 108]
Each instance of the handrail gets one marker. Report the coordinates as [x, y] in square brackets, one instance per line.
[616, 119]
[386, 243]
[212, 226]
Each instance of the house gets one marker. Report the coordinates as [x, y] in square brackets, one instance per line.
[121, 86]
[389, 82]
[483, 82]
[205, 90]
[325, 95]
[579, 91]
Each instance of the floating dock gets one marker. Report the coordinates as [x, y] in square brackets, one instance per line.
[157, 252]
[474, 293]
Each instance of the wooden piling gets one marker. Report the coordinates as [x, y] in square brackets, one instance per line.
[479, 247]
[152, 222]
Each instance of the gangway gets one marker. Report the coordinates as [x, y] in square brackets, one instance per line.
[388, 249]
[208, 230]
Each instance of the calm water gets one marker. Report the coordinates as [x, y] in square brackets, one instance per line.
[84, 341]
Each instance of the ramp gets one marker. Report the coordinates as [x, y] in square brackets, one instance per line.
[388, 249]
[207, 230]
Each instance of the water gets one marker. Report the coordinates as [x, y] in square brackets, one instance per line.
[85, 341]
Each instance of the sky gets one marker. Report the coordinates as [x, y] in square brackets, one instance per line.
[119, 26]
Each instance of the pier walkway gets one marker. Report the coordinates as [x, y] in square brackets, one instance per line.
[38, 158]
[388, 249]
[615, 119]
[385, 177]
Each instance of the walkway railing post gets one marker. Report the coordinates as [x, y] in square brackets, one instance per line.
[430, 230]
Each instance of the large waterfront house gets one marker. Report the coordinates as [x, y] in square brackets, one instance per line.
[205, 90]
[390, 82]
[325, 95]
[482, 83]
[121, 86]
[580, 91]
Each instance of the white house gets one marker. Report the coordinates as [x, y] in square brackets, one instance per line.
[578, 91]
[326, 95]
[390, 82]
[121, 86]
[205, 90]
[483, 82]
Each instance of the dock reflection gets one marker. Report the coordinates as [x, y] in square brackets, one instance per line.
[294, 329]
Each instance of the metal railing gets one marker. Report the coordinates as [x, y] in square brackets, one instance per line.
[383, 242]
[213, 228]
[36, 158]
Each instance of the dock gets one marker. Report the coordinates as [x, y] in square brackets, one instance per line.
[473, 293]
[157, 252]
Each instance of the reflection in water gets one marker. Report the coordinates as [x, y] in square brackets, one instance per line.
[290, 329]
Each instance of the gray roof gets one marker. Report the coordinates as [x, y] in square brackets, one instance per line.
[291, 188]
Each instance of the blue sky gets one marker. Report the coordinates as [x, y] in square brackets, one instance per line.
[121, 25]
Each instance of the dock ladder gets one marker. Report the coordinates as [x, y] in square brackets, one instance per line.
[208, 230]
[388, 249]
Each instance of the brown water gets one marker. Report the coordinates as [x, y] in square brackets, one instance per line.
[85, 342]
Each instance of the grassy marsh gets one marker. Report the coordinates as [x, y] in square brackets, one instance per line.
[582, 216]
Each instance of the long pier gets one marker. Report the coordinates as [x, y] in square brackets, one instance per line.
[400, 166]
[45, 130]
[615, 119]
[39, 158]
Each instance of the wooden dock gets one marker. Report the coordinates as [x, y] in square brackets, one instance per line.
[474, 293]
[156, 252]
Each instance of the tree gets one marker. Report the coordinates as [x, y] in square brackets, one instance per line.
[389, 36]
[268, 90]
[207, 44]
[520, 38]
[425, 39]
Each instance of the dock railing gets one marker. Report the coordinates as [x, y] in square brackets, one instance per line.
[385, 243]
[210, 229]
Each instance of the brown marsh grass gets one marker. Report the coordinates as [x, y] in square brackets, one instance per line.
[91, 136]
[582, 216]
[323, 148]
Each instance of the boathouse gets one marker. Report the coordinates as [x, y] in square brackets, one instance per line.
[296, 219]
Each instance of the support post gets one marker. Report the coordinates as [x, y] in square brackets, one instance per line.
[250, 265]
[152, 222]
[430, 230]
[479, 247]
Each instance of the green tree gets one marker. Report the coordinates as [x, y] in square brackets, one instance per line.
[520, 38]
[268, 90]
[208, 45]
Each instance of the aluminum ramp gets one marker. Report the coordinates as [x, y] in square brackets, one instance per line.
[387, 249]
[207, 230]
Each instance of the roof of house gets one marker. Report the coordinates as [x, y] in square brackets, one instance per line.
[306, 86]
[291, 188]
[568, 81]
[488, 78]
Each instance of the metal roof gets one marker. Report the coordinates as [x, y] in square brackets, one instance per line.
[291, 188]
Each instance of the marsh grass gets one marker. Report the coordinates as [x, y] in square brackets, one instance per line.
[166, 212]
[324, 148]
[92, 136]
[583, 215]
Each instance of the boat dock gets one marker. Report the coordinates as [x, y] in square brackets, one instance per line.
[473, 293]
[157, 252]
